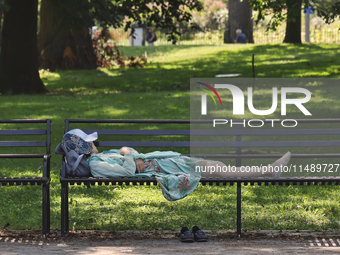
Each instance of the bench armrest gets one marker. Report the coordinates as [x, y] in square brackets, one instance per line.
[63, 168]
[47, 166]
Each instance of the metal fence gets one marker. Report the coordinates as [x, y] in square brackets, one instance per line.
[261, 36]
[323, 35]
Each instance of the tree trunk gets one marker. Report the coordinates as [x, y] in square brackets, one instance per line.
[60, 46]
[293, 28]
[240, 17]
[1, 12]
[18, 58]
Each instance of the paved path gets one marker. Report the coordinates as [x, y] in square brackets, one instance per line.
[257, 242]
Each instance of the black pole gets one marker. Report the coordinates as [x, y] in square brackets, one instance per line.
[238, 209]
[63, 202]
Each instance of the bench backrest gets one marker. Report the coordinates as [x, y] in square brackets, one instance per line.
[20, 136]
[239, 137]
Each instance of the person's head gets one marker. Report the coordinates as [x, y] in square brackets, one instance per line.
[94, 149]
[238, 31]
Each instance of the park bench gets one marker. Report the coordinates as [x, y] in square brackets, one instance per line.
[169, 134]
[20, 134]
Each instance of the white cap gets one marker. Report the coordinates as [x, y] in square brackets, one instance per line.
[83, 135]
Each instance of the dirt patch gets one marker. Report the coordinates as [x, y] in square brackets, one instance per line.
[93, 235]
[167, 242]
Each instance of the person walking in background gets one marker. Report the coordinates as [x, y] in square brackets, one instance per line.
[241, 37]
[150, 37]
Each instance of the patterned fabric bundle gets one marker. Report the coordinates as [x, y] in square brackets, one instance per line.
[79, 141]
[175, 173]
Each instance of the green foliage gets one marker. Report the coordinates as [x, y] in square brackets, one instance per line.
[213, 16]
[278, 10]
[326, 9]
[160, 13]
[329, 10]
[4, 5]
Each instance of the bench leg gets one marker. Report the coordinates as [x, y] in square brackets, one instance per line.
[64, 209]
[46, 209]
[239, 209]
[49, 197]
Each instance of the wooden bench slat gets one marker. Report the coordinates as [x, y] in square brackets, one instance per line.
[137, 132]
[217, 144]
[142, 144]
[22, 144]
[25, 121]
[233, 155]
[24, 132]
[231, 132]
[22, 155]
[266, 132]
[205, 180]
[131, 121]
[186, 121]
[265, 144]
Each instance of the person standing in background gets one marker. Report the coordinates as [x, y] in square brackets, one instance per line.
[241, 37]
[150, 37]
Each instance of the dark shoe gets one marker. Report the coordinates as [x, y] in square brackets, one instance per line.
[186, 235]
[199, 235]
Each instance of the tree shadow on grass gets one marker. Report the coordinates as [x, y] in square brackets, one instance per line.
[169, 73]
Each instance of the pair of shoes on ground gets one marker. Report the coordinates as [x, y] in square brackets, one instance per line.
[195, 235]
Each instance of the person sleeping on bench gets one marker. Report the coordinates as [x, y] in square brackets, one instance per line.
[177, 175]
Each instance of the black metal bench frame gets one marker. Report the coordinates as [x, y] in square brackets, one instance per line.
[39, 180]
[238, 132]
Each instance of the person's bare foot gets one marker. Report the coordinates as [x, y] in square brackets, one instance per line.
[283, 161]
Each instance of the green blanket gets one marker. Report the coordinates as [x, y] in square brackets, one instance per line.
[175, 173]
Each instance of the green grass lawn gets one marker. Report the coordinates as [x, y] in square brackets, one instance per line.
[161, 91]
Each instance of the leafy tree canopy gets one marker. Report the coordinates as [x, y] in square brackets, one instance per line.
[160, 13]
[4, 5]
[326, 9]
